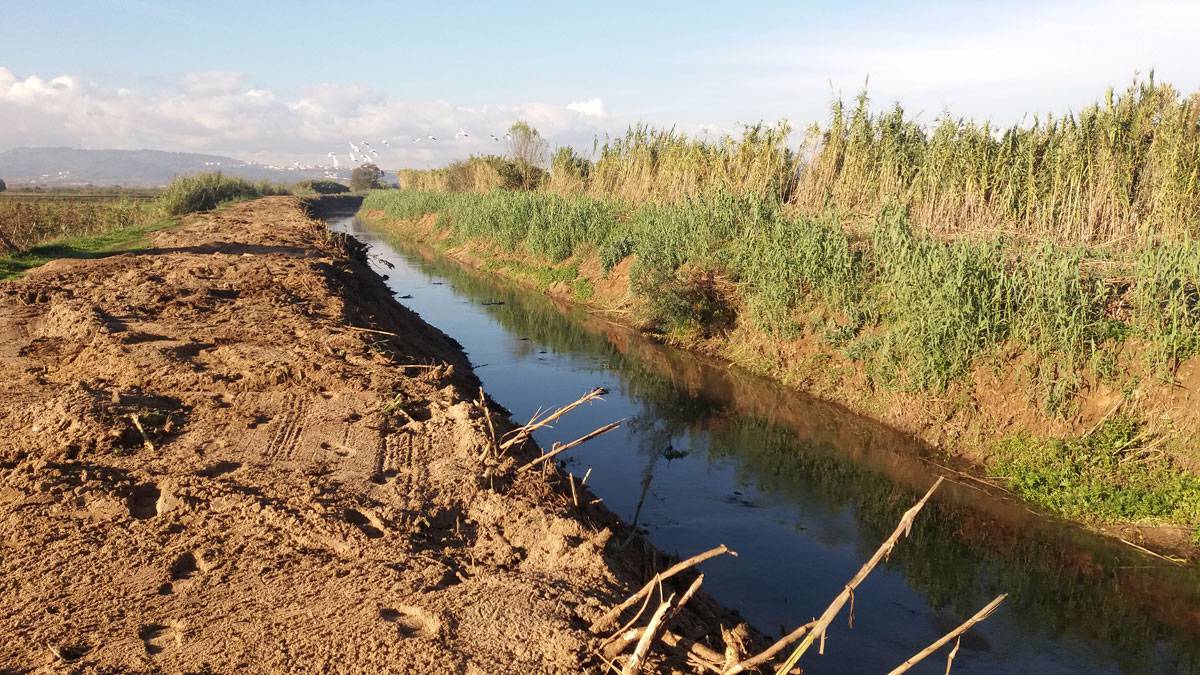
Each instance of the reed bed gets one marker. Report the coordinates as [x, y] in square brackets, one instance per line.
[919, 312]
[1121, 169]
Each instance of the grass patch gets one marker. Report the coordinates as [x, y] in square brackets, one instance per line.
[1107, 477]
[86, 246]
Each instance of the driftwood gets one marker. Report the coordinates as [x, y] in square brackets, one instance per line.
[966, 625]
[884, 550]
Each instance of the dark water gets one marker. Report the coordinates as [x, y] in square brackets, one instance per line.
[805, 492]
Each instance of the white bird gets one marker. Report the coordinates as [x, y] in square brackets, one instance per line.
[385, 142]
[333, 156]
[462, 133]
[507, 135]
[416, 140]
[494, 138]
[353, 148]
[431, 137]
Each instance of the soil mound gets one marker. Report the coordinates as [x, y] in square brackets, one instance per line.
[215, 456]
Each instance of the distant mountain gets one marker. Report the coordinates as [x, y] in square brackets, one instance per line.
[61, 167]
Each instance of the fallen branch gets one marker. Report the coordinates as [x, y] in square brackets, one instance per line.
[966, 625]
[656, 626]
[520, 434]
[770, 652]
[612, 614]
[884, 550]
[145, 438]
[559, 449]
[634, 665]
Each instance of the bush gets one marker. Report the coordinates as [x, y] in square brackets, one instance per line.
[321, 187]
[207, 191]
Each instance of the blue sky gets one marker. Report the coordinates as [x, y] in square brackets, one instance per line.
[279, 81]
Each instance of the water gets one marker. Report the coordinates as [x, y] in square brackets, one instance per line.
[805, 492]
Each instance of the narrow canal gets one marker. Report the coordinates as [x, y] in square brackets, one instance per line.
[804, 492]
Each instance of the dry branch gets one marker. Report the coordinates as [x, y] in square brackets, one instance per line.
[658, 623]
[643, 646]
[612, 614]
[770, 652]
[966, 625]
[559, 449]
[520, 434]
[884, 550]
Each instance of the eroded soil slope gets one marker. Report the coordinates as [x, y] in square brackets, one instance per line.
[203, 468]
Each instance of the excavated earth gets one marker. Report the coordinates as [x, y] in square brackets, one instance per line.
[233, 451]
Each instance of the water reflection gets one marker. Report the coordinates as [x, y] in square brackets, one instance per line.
[805, 492]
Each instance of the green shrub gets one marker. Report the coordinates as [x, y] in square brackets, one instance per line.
[207, 191]
[321, 187]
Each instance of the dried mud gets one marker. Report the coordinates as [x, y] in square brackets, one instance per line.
[206, 466]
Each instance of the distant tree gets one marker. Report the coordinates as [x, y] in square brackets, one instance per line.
[365, 177]
[529, 151]
[3, 187]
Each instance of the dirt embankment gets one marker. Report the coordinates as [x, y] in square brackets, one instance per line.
[213, 458]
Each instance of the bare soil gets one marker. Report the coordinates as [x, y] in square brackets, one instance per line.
[206, 464]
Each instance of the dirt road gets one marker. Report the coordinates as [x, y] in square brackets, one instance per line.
[206, 466]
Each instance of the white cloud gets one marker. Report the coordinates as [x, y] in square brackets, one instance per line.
[225, 113]
[591, 107]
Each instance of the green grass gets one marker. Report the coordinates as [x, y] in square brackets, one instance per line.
[86, 246]
[918, 311]
[1107, 477]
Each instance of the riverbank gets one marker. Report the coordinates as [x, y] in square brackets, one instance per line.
[989, 422]
[232, 450]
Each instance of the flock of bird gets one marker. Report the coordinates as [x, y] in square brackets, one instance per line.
[362, 152]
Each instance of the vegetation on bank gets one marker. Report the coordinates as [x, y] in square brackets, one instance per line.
[115, 240]
[921, 255]
[29, 219]
[207, 191]
[38, 227]
[918, 312]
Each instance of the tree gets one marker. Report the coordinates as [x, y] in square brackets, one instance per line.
[529, 152]
[365, 177]
[3, 187]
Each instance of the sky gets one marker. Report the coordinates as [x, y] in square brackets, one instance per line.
[272, 81]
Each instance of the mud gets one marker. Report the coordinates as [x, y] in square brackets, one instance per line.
[234, 451]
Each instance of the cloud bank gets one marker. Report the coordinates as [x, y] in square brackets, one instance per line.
[225, 113]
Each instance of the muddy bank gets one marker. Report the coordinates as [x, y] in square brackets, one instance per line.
[234, 451]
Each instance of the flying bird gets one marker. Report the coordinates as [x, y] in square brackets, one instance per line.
[416, 140]
[353, 148]
[385, 142]
[431, 137]
[494, 137]
[462, 133]
[333, 156]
